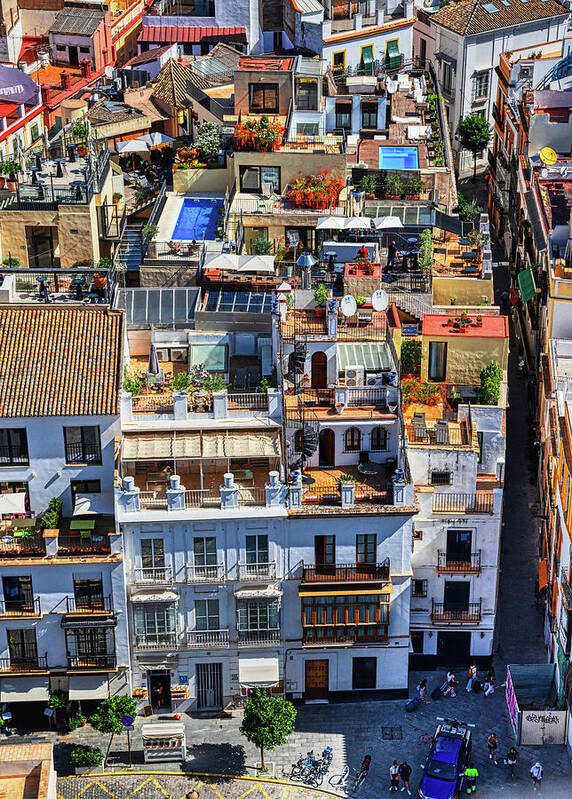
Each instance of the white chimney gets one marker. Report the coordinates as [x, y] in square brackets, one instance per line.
[358, 22]
[379, 16]
[408, 6]
[326, 28]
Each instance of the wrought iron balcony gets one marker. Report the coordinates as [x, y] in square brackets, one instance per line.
[207, 639]
[24, 664]
[88, 605]
[26, 546]
[346, 572]
[156, 575]
[443, 612]
[452, 563]
[258, 637]
[20, 607]
[211, 573]
[107, 662]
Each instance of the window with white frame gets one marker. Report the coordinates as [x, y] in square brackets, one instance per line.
[481, 86]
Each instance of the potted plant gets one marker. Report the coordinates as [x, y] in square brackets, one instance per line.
[413, 187]
[11, 169]
[149, 233]
[140, 196]
[116, 197]
[393, 187]
[86, 758]
[361, 300]
[346, 478]
[320, 299]
[368, 185]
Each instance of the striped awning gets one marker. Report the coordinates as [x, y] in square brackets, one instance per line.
[153, 446]
[191, 34]
[210, 444]
[373, 355]
[234, 444]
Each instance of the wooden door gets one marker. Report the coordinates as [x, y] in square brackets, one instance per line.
[327, 448]
[319, 370]
[317, 679]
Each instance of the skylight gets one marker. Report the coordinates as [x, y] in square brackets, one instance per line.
[506, 3]
[491, 8]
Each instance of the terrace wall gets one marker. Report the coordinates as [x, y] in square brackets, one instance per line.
[464, 290]
[194, 181]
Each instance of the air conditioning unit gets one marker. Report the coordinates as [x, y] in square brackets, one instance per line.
[355, 375]
[375, 380]
[162, 355]
[179, 354]
[526, 72]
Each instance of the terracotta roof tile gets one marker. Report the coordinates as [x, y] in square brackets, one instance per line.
[468, 17]
[60, 361]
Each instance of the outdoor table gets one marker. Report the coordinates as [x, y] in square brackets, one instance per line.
[82, 524]
[59, 169]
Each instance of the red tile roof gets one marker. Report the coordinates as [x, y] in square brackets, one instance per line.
[184, 34]
[60, 361]
[436, 325]
[269, 64]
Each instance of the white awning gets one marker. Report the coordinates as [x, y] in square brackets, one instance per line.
[374, 355]
[89, 686]
[387, 222]
[91, 505]
[271, 592]
[331, 223]
[150, 595]
[149, 446]
[13, 503]
[255, 263]
[25, 689]
[261, 672]
[261, 444]
[358, 223]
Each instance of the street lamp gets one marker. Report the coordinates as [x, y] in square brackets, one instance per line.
[306, 261]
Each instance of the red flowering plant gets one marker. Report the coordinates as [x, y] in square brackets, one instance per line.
[188, 158]
[315, 191]
[413, 390]
[264, 135]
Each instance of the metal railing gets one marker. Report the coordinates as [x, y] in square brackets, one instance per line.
[152, 403]
[453, 563]
[247, 402]
[89, 604]
[470, 611]
[205, 574]
[256, 495]
[92, 661]
[453, 437]
[258, 637]
[24, 664]
[345, 572]
[480, 502]
[75, 545]
[202, 498]
[379, 494]
[256, 571]
[28, 546]
[207, 639]
[20, 607]
[361, 634]
[155, 575]
[156, 641]
[83, 453]
[366, 396]
[14, 456]
[152, 500]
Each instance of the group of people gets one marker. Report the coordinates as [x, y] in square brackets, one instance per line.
[399, 773]
[473, 682]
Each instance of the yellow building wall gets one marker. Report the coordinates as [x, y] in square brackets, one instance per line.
[198, 180]
[466, 356]
[463, 290]
[292, 164]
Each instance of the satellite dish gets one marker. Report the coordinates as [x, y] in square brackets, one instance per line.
[544, 173]
[379, 300]
[348, 305]
[548, 156]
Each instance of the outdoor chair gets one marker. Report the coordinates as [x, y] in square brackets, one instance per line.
[419, 427]
[365, 466]
[442, 431]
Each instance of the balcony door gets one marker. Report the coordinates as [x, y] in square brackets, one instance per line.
[437, 361]
[153, 558]
[18, 594]
[317, 679]
[319, 370]
[257, 555]
[22, 647]
[205, 556]
[155, 626]
[459, 546]
[88, 594]
[456, 596]
[327, 448]
[325, 553]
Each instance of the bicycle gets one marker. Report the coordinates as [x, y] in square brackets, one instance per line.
[340, 780]
[361, 775]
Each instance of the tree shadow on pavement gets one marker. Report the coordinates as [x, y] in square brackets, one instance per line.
[223, 758]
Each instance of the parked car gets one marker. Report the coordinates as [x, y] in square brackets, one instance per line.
[444, 770]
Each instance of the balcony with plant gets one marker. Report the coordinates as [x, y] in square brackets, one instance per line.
[317, 192]
[263, 135]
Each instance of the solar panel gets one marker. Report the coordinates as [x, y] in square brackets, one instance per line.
[157, 307]
[239, 301]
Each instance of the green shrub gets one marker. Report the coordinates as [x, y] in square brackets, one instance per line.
[12, 262]
[53, 516]
[58, 700]
[86, 756]
[75, 721]
[361, 300]
[320, 295]
[149, 232]
[132, 383]
[208, 141]
[491, 378]
[214, 383]
[262, 246]
[79, 130]
[410, 357]
[181, 382]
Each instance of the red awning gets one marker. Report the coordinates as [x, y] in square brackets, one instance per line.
[542, 574]
[184, 34]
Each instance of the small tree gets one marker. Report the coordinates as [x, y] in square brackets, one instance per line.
[468, 211]
[267, 721]
[475, 134]
[410, 356]
[107, 717]
[491, 379]
[208, 141]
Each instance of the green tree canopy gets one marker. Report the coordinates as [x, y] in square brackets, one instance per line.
[107, 717]
[475, 134]
[267, 721]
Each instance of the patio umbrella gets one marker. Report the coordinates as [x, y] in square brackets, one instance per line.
[358, 223]
[226, 261]
[156, 139]
[387, 222]
[132, 146]
[256, 263]
[153, 368]
[331, 223]
[16, 86]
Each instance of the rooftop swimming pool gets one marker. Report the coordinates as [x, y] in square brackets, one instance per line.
[398, 158]
[197, 219]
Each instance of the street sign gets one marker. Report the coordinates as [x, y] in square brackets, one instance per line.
[130, 728]
[127, 721]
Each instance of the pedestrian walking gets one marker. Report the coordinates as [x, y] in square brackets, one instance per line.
[536, 776]
[510, 760]
[489, 682]
[405, 773]
[450, 685]
[492, 743]
[471, 676]
[471, 775]
[423, 693]
[394, 776]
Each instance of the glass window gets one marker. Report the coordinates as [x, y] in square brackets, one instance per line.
[85, 487]
[339, 61]
[307, 128]
[35, 132]
[257, 549]
[344, 116]
[211, 356]
[263, 97]
[369, 115]
[22, 646]
[325, 550]
[378, 439]
[447, 77]
[439, 478]
[352, 439]
[252, 178]
[207, 614]
[258, 615]
[481, 85]
[82, 444]
[88, 594]
[306, 94]
[14, 446]
[437, 360]
[419, 588]
[204, 550]
[365, 548]
[152, 553]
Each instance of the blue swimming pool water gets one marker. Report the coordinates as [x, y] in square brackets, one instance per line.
[398, 158]
[197, 219]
